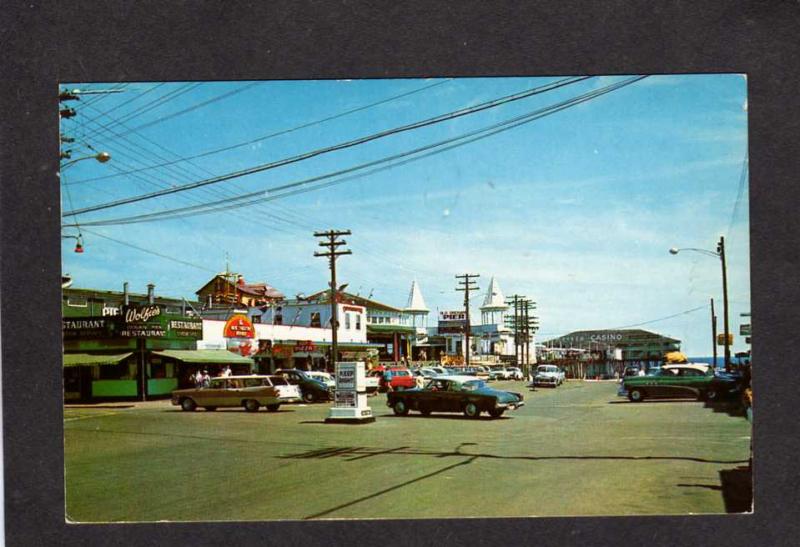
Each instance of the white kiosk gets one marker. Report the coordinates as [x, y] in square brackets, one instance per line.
[350, 399]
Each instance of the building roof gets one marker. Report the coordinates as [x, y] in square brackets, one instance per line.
[252, 289]
[494, 299]
[347, 298]
[416, 304]
[612, 338]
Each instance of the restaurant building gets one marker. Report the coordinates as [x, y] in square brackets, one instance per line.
[121, 345]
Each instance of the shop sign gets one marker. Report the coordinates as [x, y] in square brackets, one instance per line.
[745, 329]
[85, 327]
[452, 316]
[306, 346]
[239, 326]
[357, 309]
[141, 322]
[721, 339]
[354, 355]
[186, 328]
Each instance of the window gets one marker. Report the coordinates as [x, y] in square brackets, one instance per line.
[347, 321]
[77, 301]
[278, 317]
[256, 319]
[358, 321]
[316, 321]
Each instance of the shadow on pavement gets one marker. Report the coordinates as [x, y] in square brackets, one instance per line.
[360, 452]
[736, 486]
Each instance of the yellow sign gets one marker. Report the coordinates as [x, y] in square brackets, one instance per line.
[721, 340]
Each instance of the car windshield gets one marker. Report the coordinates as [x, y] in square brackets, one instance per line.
[548, 369]
[472, 385]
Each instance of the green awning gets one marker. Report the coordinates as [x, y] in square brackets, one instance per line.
[390, 329]
[89, 359]
[205, 356]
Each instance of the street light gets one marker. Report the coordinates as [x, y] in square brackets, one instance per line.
[102, 157]
[78, 242]
[720, 253]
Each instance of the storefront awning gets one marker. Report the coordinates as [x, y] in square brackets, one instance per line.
[205, 356]
[89, 360]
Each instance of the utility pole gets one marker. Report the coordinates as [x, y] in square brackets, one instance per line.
[514, 323]
[721, 253]
[714, 333]
[332, 244]
[467, 285]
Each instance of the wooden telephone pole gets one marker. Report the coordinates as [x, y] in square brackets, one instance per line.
[467, 285]
[332, 244]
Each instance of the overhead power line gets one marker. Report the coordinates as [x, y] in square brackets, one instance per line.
[270, 135]
[432, 149]
[341, 146]
[662, 318]
[149, 251]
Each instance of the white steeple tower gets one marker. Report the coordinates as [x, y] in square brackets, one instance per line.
[416, 305]
[494, 305]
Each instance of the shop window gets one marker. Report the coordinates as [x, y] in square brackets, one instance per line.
[347, 321]
[316, 320]
[77, 301]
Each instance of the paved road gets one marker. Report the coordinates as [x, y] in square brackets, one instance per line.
[575, 450]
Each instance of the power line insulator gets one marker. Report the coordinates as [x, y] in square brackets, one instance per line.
[67, 112]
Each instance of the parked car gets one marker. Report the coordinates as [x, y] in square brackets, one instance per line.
[515, 373]
[460, 393]
[324, 377]
[695, 381]
[499, 373]
[250, 391]
[396, 377]
[425, 372]
[548, 375]
[311, 390]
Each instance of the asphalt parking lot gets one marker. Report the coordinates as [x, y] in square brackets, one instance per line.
[575, 450]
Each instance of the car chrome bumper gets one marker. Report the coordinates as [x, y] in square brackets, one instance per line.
[512, 406]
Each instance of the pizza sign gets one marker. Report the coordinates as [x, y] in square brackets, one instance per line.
[239, 326]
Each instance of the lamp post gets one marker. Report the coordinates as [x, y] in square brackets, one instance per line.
[720, 253]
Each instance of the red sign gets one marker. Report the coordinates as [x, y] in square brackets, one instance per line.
[305, 346]
[239, 326]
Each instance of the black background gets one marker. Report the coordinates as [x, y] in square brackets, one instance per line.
[127, 40]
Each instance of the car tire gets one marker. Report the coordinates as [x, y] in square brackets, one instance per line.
[400, 408]
[188, 405]
[251, 405]
[210, 408]
[273, 408]
[496, 412]
[471, 410]
[309, 397]
[711, 394]
[636, 395]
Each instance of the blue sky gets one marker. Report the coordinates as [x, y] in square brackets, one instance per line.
[576, 210]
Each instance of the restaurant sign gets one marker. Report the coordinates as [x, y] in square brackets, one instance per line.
[305, 346]
[133, 322]
[239, 326]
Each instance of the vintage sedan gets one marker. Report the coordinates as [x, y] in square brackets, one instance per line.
[695, 381]
[250, 392]
[311, 390]
[466, 394]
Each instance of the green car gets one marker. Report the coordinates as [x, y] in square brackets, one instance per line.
[695, 381]
[466, 394]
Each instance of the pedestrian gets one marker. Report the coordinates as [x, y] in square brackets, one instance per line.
[198, 378]
[206, 378]
[227, 371]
